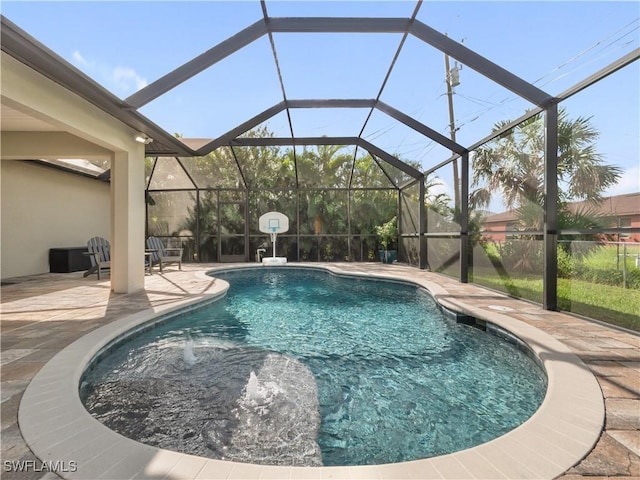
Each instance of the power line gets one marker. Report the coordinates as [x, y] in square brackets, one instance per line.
[587, 50]
[608, 48]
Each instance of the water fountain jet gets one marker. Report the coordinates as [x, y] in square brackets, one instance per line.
[189, 357]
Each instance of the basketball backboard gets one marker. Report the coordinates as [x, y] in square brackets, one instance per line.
[273, 222]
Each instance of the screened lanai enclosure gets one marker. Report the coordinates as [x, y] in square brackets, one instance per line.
[501, 138]
[334, 195]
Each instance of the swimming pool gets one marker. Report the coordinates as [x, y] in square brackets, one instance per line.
[345, 372]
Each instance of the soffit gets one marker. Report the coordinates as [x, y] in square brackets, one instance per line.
[12, 120]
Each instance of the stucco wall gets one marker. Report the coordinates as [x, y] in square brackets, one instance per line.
[42, 208]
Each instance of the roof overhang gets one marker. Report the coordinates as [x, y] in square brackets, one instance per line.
[27, 50]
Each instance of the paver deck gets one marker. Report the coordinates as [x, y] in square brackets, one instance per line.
[42, 314]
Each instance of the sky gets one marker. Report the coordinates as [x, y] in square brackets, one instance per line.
[126, 45]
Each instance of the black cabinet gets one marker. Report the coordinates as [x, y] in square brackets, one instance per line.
[69, 259]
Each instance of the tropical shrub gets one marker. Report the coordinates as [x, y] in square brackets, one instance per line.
[523, 255]
[566, 263]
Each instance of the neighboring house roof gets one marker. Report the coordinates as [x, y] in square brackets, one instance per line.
[503, 217]
[614, 206]
[618, 205]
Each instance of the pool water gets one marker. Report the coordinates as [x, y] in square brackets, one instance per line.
[301, 367]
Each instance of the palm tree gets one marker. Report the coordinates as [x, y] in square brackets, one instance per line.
[513, 164]
[324, 166]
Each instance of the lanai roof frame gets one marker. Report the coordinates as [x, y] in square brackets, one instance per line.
[406, 26]
[167, 144]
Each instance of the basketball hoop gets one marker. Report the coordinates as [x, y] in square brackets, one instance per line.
[274, 223]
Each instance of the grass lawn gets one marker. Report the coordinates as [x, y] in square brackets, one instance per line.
[607, 303]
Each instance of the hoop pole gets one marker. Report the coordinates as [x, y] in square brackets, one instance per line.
[274, 235]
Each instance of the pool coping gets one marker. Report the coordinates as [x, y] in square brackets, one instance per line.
[56, 426]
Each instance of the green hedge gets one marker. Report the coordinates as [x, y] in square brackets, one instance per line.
[586, 269]
[608, 277]
[597, 266]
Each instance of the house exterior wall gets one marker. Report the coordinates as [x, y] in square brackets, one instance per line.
[622, 210]
[631, 221]
[32, 93]
[42, 208]
[495, 232]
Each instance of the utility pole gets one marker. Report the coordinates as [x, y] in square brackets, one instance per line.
[452, 77]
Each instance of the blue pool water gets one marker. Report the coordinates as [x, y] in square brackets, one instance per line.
[300, 367]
